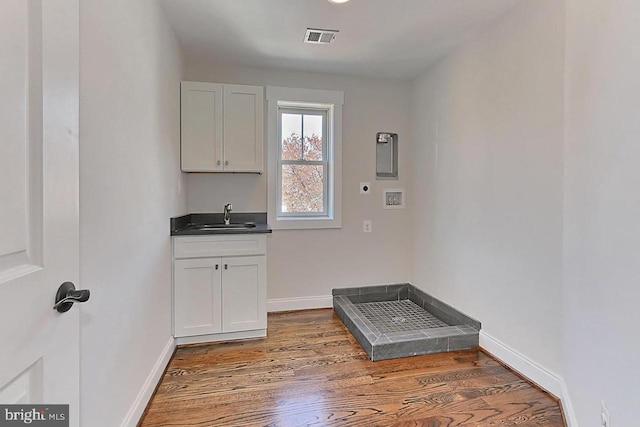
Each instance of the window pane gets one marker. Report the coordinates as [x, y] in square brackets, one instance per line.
[302, 188]
[312, 137]
[291, 136]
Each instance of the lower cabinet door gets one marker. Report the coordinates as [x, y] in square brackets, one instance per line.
[244, 293]
[197, 290]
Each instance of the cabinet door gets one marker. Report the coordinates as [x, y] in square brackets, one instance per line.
[201, 116]
[244, 293]
[196, 292]
[243, 128]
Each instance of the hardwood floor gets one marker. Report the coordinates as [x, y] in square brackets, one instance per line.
[311, 372]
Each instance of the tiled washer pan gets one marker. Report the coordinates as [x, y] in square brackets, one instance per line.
[410, 332]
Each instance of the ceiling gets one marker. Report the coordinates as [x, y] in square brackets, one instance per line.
[377, 38]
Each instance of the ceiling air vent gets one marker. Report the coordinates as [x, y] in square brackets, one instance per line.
[317, 36]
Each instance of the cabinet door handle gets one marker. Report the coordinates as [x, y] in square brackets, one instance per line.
[226, 266]
[216, 266]
[218, 162]
[226, 162]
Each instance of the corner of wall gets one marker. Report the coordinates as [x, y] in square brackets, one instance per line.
[141, 401]
[567, 407]
[542, 377]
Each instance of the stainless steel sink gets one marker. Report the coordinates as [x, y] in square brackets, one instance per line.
[245, 226]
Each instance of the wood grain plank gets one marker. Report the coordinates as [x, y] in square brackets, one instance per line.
[311, 372]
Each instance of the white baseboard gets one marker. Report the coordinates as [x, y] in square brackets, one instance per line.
[302, 303]
[227, 336]
[567, 407]
[542, 377]
[141, 401]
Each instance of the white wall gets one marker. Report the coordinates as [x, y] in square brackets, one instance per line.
[602, 210]
[130, 69]
[312, 262]
[487, 162]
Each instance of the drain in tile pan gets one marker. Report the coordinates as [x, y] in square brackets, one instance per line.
[398, 319]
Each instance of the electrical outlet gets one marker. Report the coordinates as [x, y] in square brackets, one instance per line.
[365, 188]
[605, 417]
[366, 226]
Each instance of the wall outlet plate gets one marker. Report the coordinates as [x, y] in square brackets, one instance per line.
[393, 198]
[365, 188]
[366, 226]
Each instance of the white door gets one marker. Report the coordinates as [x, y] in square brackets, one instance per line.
[39, 350]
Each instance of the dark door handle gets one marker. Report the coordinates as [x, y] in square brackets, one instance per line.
[67, 295]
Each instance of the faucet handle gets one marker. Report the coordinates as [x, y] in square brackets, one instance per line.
[228, 207]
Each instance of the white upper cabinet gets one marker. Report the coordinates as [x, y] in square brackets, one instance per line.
[201, 127]
[222, 127]
[243, 128]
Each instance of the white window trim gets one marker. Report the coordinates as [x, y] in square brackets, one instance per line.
[323, 98]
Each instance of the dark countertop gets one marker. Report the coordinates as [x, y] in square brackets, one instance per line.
[184, 225]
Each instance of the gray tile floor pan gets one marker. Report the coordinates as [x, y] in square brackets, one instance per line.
[395, 321]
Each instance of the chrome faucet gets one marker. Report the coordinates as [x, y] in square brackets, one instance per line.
[227, 213]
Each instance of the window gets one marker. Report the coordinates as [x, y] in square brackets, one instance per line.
[305, 155]
[302, 162]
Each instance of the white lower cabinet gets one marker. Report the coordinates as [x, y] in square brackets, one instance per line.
[244, 299]
[196, 292]
[221, 297]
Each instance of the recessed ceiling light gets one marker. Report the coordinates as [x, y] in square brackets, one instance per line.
[338, 1]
